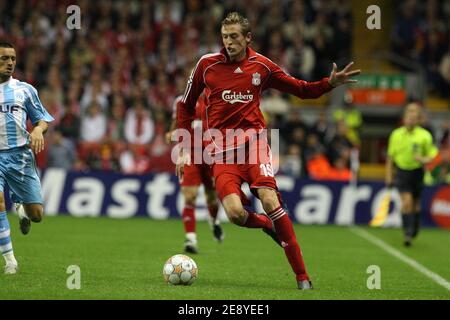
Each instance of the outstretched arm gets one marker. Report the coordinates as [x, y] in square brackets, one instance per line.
[309, 90]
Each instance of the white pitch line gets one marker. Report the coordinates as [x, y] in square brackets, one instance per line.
[394, 252]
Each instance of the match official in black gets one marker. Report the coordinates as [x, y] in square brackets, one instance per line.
[410, 149]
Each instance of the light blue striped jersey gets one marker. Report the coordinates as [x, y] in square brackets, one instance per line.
[18, 102]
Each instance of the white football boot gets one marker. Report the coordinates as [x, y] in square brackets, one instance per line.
[11, 268]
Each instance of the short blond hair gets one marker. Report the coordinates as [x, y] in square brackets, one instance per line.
[237, 18]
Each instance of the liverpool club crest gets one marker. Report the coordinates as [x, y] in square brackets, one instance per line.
[256, 80]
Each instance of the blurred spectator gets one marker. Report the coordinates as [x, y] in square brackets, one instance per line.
[293, 123]
[300, 59]
[69, 126]
[340, 170]
[313, 146]
[322, 128]
[292, 163]
[93, 124]
[273, 103]
[318, 167]
[116, 123]
[139, 126]
[95, 90]
[162, 94]
[298, 137]
[106, 160]
[340, 145]
[134, 160]
[61, 153]
[92, 135]
[352, 118]
[115, 136]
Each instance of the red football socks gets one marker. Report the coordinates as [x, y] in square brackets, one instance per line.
[286, 234]
[188, 216]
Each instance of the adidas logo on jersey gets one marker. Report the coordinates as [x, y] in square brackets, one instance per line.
[238, 70]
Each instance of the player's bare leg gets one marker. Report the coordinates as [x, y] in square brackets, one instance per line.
[234, 209]
[407, 209]
[213, 209]
[35, 211]
[27, 212]
[286, 234]
[238, 215]
[188, 216]
[6, 249]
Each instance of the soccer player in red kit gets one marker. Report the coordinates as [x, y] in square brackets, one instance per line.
[194, 176]
[233, 80]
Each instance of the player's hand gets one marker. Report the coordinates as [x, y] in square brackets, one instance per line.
[344, 76]
[183, 159]
[37, 140]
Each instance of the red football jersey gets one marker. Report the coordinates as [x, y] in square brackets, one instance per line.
[233, 90]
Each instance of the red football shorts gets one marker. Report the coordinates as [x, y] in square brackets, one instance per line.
[256, 171]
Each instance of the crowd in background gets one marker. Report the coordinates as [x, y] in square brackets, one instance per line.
[110, 85]
[422, 34]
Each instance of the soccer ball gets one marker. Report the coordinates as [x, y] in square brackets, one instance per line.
[180, 270]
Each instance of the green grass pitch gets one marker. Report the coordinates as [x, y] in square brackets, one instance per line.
[123, 259]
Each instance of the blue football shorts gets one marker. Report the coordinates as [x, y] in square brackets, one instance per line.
[18, 171]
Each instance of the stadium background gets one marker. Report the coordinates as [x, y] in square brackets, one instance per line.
[110, 85]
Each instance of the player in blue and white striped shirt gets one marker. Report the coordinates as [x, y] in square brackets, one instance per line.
[19, 101]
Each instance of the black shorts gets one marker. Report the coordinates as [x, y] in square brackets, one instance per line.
[410, 181]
